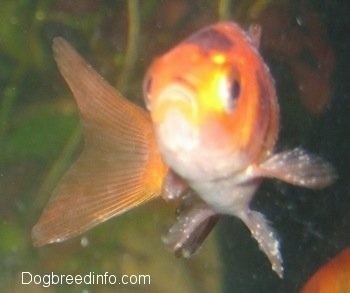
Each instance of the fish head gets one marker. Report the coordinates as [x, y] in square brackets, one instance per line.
[213, 92]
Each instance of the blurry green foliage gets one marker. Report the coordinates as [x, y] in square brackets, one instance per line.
[41, 135]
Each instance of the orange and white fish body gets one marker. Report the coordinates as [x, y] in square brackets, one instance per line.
[215, 113]
[208, 140]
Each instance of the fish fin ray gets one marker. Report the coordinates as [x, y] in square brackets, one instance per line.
[90, 193]
[194, 221]
[101, 107]
[298, 167]
[255, 33]
[119, 167]
[173, 186]
[265, 235]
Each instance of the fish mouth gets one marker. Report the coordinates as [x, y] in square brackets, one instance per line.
[175, 115]
[175, 97]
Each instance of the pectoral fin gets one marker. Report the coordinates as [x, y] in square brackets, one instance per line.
[299, 168]
[119, 167]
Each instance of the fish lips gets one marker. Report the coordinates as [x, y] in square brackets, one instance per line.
[175, 116]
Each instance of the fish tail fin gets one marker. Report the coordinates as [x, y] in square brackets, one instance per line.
[119, 167]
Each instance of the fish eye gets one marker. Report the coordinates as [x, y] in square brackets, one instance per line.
[147, 86]
[235, 89]
[233, 95]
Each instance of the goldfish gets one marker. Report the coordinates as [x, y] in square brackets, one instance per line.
[206, 139]
[333, 277]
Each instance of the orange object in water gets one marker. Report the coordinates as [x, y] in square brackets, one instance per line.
[333, 277]
[207, 140]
